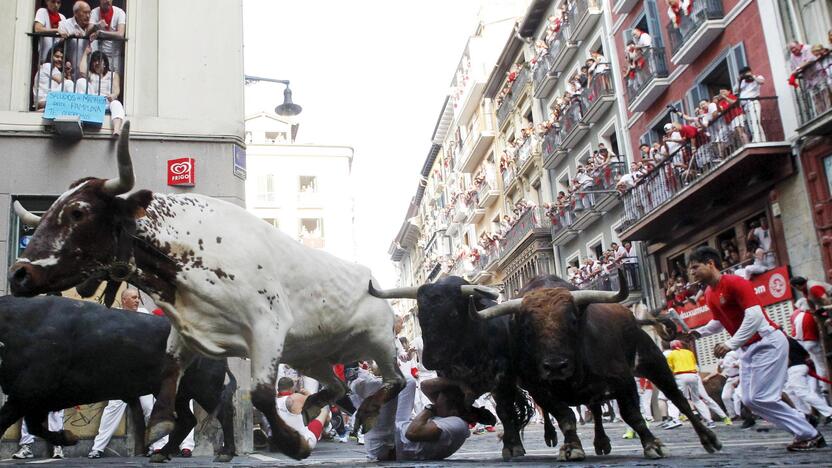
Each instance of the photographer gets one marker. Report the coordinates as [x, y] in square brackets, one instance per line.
[749, 93]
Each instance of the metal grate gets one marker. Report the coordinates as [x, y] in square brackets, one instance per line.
[779, 313]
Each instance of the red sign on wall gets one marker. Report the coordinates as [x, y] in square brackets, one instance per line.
[181, 172]
[771, 287]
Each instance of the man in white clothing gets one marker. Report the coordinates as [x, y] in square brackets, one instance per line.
[110, 22]
[749, 93]
[76, 31]
[764, 348]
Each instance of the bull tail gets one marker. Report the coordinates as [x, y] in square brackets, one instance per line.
[523, 408]
[664, 327]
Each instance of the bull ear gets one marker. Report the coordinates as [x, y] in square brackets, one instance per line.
[138, 203]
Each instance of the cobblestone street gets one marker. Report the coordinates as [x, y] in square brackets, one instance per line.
[740, 448]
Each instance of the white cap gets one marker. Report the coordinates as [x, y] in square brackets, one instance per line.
[668, 126]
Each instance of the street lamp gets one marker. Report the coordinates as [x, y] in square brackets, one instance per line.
[288, 108]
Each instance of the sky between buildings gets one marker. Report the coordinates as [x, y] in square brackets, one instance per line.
[371, 74]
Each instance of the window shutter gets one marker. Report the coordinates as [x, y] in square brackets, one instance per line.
[653, 25]
[736, 60]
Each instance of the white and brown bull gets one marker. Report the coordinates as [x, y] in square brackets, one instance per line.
[230, 283]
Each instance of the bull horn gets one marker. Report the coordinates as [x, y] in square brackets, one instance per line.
[586, 297]
[503, 308]
[27, 218]
[125, 181]
[395, 293]
[474, 289]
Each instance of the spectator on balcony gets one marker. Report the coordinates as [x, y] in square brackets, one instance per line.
[585, 183]
[78, 28]
[758, 267]
[800, 55]
[644, 42]
[678, 8]
[55, 75]
[47, 20]
[111, 22]
[761, 233]
[749, 93]
[97, 78]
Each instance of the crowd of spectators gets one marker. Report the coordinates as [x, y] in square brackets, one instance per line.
[811, 74]
[604, 267]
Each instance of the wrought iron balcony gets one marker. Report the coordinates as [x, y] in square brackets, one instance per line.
[552, 148]
[583, 14]
[814, 97]
[487, 194]
[647, 79]
[610, 282]
[514, 93]
[695, 31]
[741, 147]
[524, 154]
[572, 126]
[533, 219]
[508, 176]
[544, 77]
[562, 48]
[599, 96]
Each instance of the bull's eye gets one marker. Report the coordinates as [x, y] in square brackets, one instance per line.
[76, 215]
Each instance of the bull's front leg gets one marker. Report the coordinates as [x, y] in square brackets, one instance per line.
[177, 359]
[266, 348]
[510, 401]
[602, 441]
[571, 449]
[333, 389]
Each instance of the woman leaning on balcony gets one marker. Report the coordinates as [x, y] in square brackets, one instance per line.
[98, 79]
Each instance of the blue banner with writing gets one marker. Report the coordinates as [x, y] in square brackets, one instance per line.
[89, 108]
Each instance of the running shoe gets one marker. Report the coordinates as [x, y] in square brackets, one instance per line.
[24, 452]
[727, 421]
[673, 425]
[95, 454]
[630, 434]
[710, 424]
[58, 452]
[807, 445]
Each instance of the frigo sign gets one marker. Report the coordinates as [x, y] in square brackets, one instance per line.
[182, 172]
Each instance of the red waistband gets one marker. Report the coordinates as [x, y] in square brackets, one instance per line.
[686, 372]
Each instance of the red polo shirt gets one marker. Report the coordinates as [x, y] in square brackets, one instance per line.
[729, 300]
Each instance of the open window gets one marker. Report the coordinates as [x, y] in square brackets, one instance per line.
[308, 184]
[722, 73]
[729, 248]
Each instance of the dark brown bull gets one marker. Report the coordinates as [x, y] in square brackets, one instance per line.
[583, 354]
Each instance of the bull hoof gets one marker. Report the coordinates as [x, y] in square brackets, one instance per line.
[159, 457]
[571, 452]
[158, 430]
[709, 441]
[223, 457]
[69, 438]
[655, 450]
[510, 453]
[602, 446]
[551, 438]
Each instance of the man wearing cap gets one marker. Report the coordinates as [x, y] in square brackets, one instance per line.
[764, 349]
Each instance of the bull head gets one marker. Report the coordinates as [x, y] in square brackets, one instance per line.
[580, 299]
[77, 234]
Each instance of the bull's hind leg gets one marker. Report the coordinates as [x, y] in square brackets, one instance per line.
[602, 441]
[137, 417]
[266, 348]
[35, 423]
[185, 421]
[177, 359]
[333, 389]
[651, 363]
[630, 407]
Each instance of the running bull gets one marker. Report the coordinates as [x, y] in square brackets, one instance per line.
[230, 283]
[566, 347]
[58, 353]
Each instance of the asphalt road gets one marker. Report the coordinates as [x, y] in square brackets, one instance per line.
[740, 448]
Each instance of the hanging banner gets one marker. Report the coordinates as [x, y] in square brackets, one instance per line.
[771, 287]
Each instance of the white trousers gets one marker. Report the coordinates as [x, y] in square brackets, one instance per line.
[672, 411]
[713, 405]
[730, 395]
[55, 420]
[816, 353]
[799, 389]
[646, 400]
[381, 438]
[689, 386]
[763, 371]
[112, 416]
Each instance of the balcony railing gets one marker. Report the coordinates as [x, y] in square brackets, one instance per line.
[524, 153]
[600, 87]
[508, 176]
[532, 219]
[541, 69]
[551, 145]
[511, 99]
[559, 43]
[703, 10]
[814, 94]
[75, 72]
[482, 192]
[652, 64]
[577, 13]
[744, 122]
[572, 117]
[561, 219]
[610, 281]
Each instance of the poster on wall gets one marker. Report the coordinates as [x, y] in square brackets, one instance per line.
[181, 172]
[771, 287]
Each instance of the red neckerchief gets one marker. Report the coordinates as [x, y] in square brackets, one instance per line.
[286, 393]
[108, 16]
[54, 18]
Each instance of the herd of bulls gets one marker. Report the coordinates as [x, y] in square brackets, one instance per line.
[231, 285]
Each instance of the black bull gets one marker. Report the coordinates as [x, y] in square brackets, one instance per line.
[561, 354]
[57, 353]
